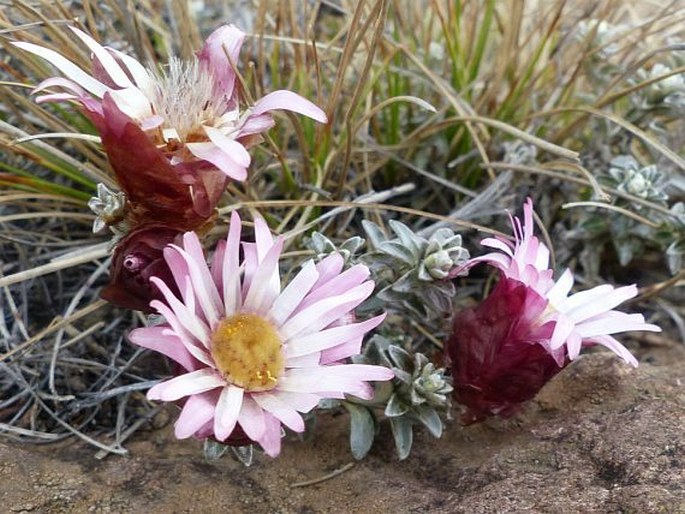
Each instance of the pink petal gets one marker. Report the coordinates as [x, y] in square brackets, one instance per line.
[67, 84]
[186, 385]
[217, 264]
[189, 321]
[562, 329]
[264, 241]
[227, 410]
[348, 279]
[616, 347]
[214, 155]
[319, 341]
[56, 97]
[281, 411]
[151, 122]
[171, 346]
[342, 351]
[271, 440]
[263, 237]
[251, 419]
[497, 244]
[229, 146]
[311, 360]
[250, 264]
[347, 378]
[288, 101]
[179, 270]
[326, 387]
[255, 125]
[204, 286]
[294, 292]
[324, 312]
[197, 411]
[198, 353]
[329, 268]
[220, 53]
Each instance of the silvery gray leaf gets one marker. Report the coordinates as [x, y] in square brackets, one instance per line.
[395, 407]
[362, 429]
[402, 432]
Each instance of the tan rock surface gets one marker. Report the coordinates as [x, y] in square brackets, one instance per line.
[600, 438]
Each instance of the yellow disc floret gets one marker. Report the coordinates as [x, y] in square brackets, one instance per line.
[247, 350]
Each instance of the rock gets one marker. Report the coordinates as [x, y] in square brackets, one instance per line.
[600, 437]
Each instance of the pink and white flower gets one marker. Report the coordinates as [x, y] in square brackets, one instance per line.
[581, 319]
[185, 123]
[502, 351]
[256, 355]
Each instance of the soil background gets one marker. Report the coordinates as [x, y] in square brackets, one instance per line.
[601, 437]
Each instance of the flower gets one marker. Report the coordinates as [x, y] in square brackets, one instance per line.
[582, 319]
[185, 124]
[255, 355]
[505, 349]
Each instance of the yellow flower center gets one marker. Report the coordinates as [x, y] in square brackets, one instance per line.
[247, 350]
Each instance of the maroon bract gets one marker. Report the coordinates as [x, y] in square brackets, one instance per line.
[496, 353]
[138, 257]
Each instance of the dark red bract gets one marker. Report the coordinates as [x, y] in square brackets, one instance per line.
[182, 195]
[137, 257]
[495, 354]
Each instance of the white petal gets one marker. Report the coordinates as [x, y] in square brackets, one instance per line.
[67, 67]
[559, 291]
[186, 385]
[227, 410]
[109, 64]
[602, 303]
[614, 322]
[301, 402]
[283, 412]
[140, 75]
[132, 102]
[262, 292]
[231, 270]
[616, 347]
[319, 341]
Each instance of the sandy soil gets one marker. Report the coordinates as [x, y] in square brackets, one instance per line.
[600, 438]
